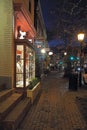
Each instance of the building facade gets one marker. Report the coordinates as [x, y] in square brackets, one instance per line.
[17, 55]
[22, 36]
[41, 43]
[24, 42]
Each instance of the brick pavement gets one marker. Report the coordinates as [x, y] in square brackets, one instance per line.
[56, 107]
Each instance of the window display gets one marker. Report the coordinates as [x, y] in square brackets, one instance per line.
[30, 70]
[19, 65]
[25, 65]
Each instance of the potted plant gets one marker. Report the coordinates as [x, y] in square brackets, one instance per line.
[33, 89]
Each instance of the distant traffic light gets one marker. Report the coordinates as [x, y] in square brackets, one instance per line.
[78, 58]
[71, 58]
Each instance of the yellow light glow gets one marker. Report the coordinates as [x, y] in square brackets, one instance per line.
[65, 53]
[43, 51]
[81, 36]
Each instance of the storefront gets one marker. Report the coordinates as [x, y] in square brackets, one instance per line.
[24, 47]
[25, 63]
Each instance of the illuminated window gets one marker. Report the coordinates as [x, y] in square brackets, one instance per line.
[19, 65]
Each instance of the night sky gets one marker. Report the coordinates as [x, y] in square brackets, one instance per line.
[64, 19]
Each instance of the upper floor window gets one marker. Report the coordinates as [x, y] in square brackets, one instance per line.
[30, 6]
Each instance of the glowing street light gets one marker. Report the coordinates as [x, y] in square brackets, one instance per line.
[65, 53]
[43, 51]
[50, 53]
[80, 36]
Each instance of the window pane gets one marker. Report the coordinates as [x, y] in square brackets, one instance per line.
[19, 65]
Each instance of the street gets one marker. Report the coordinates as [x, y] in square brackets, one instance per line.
[57, 107]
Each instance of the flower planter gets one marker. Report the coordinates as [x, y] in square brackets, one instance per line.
[32, 93]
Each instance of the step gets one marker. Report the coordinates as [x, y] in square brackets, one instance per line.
[7, 105]
[15, 117]
[5, 93]
[2, 87]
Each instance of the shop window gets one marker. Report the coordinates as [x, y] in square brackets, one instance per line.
[19, 65]
[30, 66]
[25, 64]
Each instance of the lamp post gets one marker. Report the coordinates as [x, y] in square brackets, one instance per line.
[80, 38]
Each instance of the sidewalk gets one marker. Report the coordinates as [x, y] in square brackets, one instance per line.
[57, 108]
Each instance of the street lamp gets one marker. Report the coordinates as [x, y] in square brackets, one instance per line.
[43, 51]
[65, 53]
[50, 53]
[80, 38]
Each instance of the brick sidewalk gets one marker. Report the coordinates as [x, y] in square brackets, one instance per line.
[56, 108]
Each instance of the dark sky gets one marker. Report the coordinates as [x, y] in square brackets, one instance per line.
[64, 19]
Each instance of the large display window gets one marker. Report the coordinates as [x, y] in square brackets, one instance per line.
[30, 65]
[19, 65]
[25, 64]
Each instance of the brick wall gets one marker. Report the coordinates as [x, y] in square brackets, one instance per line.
[6, 50]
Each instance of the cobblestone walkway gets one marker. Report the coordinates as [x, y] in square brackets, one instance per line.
[56, 108]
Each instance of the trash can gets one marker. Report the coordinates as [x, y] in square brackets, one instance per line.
[73, 81]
